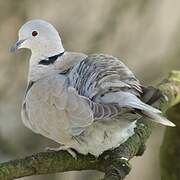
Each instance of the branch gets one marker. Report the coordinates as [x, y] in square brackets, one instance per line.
[115, 163]
[171, 144]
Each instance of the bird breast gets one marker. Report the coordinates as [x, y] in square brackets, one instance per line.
[45, 104]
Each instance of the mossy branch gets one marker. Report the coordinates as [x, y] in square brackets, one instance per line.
[170, 149]
[114, 163]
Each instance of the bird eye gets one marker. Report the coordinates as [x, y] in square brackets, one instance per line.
[34, 33]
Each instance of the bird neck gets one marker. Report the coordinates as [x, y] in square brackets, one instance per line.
[67, 60]
[45, 50]
[39, 70]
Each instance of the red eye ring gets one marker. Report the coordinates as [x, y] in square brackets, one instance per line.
[34, 33]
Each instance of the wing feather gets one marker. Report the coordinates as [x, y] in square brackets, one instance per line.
[98, 75]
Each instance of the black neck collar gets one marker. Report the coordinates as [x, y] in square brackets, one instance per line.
[51, 59]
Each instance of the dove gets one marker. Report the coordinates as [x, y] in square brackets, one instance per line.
[89, 103]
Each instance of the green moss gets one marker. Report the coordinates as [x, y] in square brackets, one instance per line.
[170, 149]
[174, 76]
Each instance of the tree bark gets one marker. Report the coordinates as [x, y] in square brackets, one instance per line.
[114, 163]
[170, 149]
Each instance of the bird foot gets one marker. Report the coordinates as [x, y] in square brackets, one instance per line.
[63, 148]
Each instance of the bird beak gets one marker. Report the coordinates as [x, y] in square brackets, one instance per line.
[16, 45]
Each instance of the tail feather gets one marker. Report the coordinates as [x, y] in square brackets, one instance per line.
[138, 104]
[158, 118]
[131, 101]
[147, 110]
[151, 112]
[150, 95]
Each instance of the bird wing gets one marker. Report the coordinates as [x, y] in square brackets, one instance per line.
[98, 75]
[78, 111]
[82, 111]
[101, 73]
[107, 82]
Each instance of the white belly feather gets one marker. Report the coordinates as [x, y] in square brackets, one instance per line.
[101, 136]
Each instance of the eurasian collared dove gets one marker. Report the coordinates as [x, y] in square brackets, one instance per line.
[88, 103]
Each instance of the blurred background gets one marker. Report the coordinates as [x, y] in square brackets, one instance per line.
[144, 34]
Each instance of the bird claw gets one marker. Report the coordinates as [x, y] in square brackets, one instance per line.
[63, 148]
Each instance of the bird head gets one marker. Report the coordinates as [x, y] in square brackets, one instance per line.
[39, 36]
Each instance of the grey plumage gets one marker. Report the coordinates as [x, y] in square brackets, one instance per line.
[98, 89]
[89, 103]
[98, 74]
